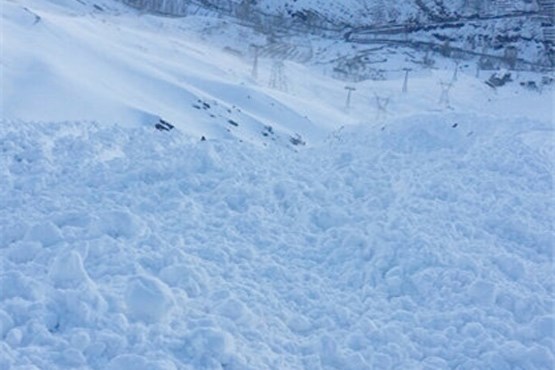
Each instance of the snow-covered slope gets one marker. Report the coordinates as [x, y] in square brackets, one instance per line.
[414, 230]
[347, 12]
[100, 61]
[496, 32]
[109, 67]
[427, 245]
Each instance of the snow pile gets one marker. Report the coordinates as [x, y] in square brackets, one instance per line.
[427, 243]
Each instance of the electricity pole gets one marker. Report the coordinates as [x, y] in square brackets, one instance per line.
[349, 89]
[406, 82]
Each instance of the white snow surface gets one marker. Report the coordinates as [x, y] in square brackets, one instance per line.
[419, 237]
[421, 246]
[62, 60]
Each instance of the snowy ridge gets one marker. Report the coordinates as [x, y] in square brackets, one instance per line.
[427, 244]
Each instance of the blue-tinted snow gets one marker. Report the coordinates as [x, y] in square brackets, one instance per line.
[416, 246]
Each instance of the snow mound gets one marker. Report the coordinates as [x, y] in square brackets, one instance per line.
[147, 299]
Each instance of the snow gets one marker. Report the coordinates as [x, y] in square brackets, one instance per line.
[419, 237]
[147, 299]
[420, 245]
[113, 67]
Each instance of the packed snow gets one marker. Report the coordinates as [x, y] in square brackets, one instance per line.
[275, 226]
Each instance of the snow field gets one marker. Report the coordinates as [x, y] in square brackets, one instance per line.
[424, 244]
[67, 60]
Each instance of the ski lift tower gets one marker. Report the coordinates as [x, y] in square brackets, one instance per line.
[406, 81]
[254, 71]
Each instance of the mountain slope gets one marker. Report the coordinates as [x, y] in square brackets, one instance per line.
[458, 29]
[289, 220]
[349, 13]
[108, 67]
[100, 61]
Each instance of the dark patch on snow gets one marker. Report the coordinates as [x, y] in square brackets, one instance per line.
[297, 140]
[164, 125]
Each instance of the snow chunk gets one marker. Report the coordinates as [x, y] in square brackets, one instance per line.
[68, 271]
[128, 362]
[73, 357]
[80, 340]
[511, 266]
[232, 309]
[544, 326]
[136, 362]
[72, 218]
[6, 323]
[148, 299]
[210, 346]
[15, 284]
[119, 224]
[12, 233]
[206, 160]
[327, 218]
[46, 233]
[482, 292]
[299, 324]
[24, 251]
[180, 275]
[14, 337]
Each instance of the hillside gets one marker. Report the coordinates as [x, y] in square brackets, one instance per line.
[496, 33]
[350, 13]
[101, 61]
